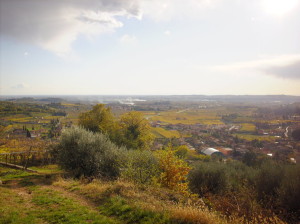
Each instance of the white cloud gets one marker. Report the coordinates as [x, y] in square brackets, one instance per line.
[167, 32]
[168, 9]
[55, 25]
[128, 39]
[279, 7]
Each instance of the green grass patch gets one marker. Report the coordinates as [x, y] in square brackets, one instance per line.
[10, 174]
[13, 209]
[56, 208]
[48, 169]
[118, 207]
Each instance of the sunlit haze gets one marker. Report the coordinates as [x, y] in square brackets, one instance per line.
[149, 47]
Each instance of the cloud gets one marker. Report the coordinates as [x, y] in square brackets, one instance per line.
[291, 71]
[128, 39]
[55, 25]
[283, 66]
[168, 9]
[167, 32]
[20, 86]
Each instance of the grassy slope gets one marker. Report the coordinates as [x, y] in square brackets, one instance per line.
[30, 198]
[44, 198]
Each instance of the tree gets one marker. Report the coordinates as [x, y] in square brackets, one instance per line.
[99, 119]
[250, 158]
[181, 151]
[140, 166]
[135, 131]
[84, 153]
[174, 171]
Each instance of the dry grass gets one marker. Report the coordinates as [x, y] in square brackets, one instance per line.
[191, 214]
[150, 198]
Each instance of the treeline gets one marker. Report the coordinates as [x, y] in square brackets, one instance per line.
[283, 110]
[10, 108]
[21, 108]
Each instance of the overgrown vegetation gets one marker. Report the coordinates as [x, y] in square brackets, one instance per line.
[266, 186]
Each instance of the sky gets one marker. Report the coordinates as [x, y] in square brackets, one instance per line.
[149, 47]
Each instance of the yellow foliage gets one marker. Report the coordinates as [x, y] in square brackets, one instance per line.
[135, 131]
[174, 171]
[160, 132]
[248, 127]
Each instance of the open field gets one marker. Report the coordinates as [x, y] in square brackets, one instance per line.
[163, 133]
[187, 117]
[250, 137]
[247, 127]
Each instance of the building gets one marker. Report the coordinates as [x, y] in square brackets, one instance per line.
[212, 152]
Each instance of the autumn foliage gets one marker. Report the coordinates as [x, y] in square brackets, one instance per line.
[174, 171]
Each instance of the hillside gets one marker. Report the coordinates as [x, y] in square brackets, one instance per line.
[46, 197]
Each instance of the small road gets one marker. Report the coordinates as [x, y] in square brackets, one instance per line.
[178, 112]
[286, 133]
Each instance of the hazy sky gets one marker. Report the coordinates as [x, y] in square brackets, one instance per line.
[149, 47]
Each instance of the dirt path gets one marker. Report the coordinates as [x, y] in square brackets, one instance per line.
[36, 202]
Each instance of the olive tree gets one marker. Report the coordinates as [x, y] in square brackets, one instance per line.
[85, 153]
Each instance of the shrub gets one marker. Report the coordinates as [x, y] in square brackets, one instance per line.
[239, 175]
[250, 159]
[268, 180]
[174, 171]
[208, 177]
[181, 151]
[289, 191]
[140, 166]
[84, 153]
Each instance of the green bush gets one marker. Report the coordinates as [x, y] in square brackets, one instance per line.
[140, 166]
[84, 153]
[289, 190]
[268, 180]
[208, 177]
[239, 175]
[181, 151]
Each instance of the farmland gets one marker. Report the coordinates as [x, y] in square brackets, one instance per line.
[187, 117]
[163, 133]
